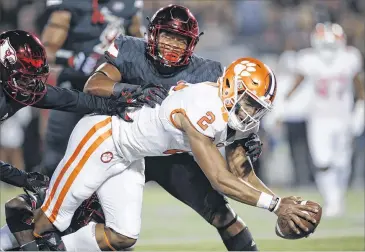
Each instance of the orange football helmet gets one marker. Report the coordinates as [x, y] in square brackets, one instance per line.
[247, 90]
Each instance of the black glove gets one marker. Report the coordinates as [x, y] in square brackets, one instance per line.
[118, 105]
[150, 94]
[36, 181]
[252, 146]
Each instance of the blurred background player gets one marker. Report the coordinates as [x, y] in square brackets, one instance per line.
[333, 70]
[76, 35]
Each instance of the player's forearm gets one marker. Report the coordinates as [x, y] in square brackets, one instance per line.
[238, 189]
[100, 85]
[258, 184]
[11, 175]
[72, 101]
[215, 168]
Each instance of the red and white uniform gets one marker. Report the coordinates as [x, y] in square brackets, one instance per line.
[330, 110]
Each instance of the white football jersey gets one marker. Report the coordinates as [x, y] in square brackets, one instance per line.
[153, 131]
[331, 80]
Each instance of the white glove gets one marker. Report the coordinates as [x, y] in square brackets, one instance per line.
[358, 118]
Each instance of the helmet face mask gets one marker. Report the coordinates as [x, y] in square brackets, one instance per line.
[24, 73]
[26, 89]
[177, 21]
[171, 47]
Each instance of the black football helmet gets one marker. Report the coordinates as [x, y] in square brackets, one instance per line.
[23, 66]
[173, 19]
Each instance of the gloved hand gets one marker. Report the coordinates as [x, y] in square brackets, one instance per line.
[150, 94]
[253, 146]
[36, 181]
[118, 106]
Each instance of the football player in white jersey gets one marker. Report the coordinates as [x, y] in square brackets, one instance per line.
[198, 118]
[333, 70]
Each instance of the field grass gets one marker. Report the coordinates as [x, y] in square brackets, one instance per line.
[168, 225]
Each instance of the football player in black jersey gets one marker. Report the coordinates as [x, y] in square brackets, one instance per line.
[75, 37]
[24, 70]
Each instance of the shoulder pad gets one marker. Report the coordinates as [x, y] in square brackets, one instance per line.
[124, 49]
[208, 70]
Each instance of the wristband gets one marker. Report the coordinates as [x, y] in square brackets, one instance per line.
[277, 204]
[264, 200]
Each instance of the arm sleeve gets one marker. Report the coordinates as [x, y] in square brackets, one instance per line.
[72, 101]
[12, 175]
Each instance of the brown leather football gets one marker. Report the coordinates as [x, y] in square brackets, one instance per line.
[283, 230]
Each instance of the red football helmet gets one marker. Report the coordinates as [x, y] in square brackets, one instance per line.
[177, 20]
[24, 68]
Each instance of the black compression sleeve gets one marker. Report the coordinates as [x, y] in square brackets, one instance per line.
[12, 175]
[72, 101]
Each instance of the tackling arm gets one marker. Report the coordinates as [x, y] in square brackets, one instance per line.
[102, 82]
[11, 175]
[74, 101]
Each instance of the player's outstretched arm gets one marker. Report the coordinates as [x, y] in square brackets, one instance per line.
[13, 176]
[102, 82]
[216, 170]
[78, 102]
[215, 167]
[241, 166]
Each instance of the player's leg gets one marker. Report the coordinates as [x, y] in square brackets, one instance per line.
[182, 178]
[59, 128]
[321, 136]
[342, 161]
[121, 199]
[90, 159]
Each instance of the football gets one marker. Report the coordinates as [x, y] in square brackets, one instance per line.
[283, 230]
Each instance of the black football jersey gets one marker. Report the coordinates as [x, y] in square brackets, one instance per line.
[128, 54]
[86, 37]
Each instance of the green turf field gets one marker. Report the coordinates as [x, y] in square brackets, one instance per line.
[168, 225]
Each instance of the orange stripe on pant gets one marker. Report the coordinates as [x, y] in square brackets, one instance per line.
[76, 172]
[77, 151]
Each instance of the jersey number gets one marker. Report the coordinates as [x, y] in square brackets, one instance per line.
[205, 120]
[336, 85]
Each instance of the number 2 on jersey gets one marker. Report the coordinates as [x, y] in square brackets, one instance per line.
[204, 122]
